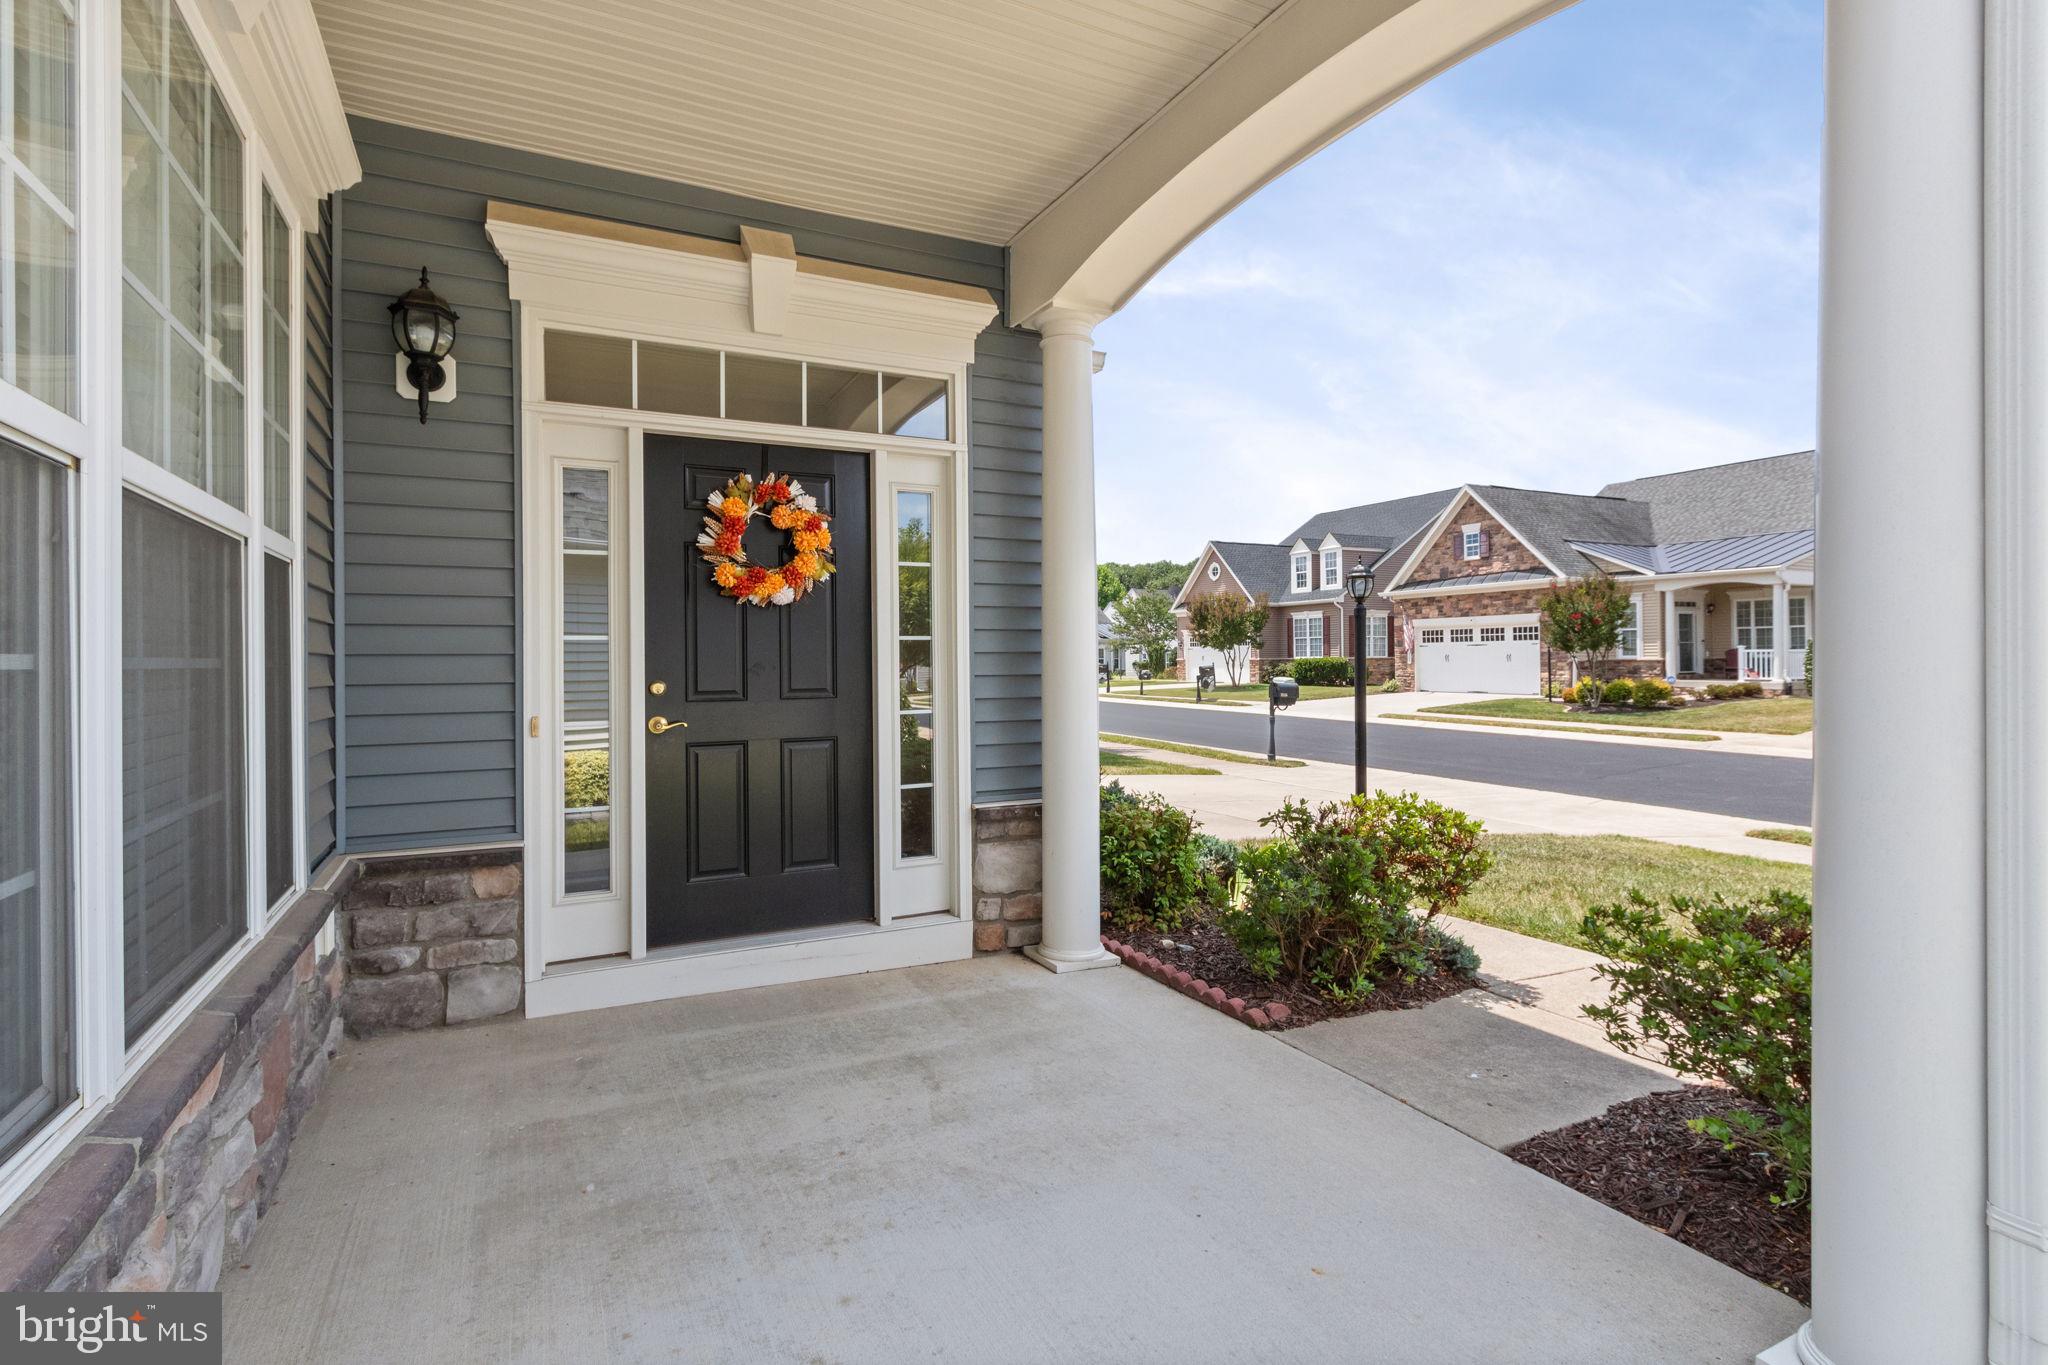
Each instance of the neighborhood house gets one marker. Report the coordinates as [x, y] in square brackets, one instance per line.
[1719, 563]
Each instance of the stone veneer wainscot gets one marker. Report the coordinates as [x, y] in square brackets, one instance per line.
[170, 1182]
[434, 940]
[1009, 875]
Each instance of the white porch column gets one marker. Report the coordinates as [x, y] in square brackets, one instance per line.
[1068, 745]
[1670, 633]
[1899, 1265]
[1781, 630]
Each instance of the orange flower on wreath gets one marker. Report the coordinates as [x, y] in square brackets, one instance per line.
[726, 575]
[783, 517]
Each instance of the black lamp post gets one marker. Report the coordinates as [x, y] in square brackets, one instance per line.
[423, 325]
[1361, 589]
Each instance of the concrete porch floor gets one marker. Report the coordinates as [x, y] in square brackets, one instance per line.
[975, 1162]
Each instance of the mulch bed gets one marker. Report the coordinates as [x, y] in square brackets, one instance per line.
[1640, 1158]
[1203, 950]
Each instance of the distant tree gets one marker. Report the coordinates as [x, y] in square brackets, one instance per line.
[1108, 585]
[914, 546]
[1144, 622]
[1164, 574]
[1228, 624]
[1584, 618]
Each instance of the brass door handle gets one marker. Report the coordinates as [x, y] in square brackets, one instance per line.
[659, 724]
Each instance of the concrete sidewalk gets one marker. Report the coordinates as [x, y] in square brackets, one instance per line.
[980, 1161]
[1500, 1064]
[1231, 804]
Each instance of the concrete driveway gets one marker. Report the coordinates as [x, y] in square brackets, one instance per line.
[978, 1162]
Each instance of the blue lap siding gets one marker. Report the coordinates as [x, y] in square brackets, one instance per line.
[432, 723]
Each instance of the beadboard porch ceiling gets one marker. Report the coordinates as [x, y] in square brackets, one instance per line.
[961, 117]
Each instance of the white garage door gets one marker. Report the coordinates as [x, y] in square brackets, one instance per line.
[1480, 654]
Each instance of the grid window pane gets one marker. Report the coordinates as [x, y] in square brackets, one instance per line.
[844, 400]
[914, 406]
[277, 368]
[38, 197]
[280, 804]
[581, 368]
[182, 241]
[184, 896]
[35, 794]
[678, 379]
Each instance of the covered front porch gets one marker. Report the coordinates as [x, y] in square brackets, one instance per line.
[971, 1161]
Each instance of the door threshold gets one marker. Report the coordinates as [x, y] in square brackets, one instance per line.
[731, 964]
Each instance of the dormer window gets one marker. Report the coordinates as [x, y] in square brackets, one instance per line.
[1301, 573]
[1329, 568]
[1472, 542]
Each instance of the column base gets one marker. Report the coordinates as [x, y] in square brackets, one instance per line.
[1102, 957]
[1797, 1349]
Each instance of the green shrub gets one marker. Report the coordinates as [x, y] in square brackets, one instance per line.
[1389, 686]
[1155, 865]
[1323, 672]
[1275, 668]
[1809, 665]
[1651, 692]
[1720, 990]
[586, 778]
[1620, 692]
[1722, 691]
[1750, 689]
[1342, 899]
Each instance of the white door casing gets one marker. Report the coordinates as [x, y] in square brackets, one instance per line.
[661, 288]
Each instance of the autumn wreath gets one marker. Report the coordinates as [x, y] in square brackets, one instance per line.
[788, 508]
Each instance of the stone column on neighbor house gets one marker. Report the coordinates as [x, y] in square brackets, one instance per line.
[1072, 927]
[1899, 1071]
[1781, 631]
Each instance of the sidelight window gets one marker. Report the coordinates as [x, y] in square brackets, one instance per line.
[916, 683]
[39, 203]
[586, 673]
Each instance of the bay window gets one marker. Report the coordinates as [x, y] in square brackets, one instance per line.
[35, 793]
[181, 461]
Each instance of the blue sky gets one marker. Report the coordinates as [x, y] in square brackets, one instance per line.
[1589, 253]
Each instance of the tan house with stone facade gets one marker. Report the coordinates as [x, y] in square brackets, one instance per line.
[1718, 558]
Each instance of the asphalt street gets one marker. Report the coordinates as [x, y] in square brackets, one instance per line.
[1679, 775]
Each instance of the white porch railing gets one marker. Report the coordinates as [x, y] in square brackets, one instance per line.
[1758, 663]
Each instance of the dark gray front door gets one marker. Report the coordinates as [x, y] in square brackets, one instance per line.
[759, 815]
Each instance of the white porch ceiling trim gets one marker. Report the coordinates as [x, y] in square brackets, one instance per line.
[754, 294]
[1309, 74]
[276, 59]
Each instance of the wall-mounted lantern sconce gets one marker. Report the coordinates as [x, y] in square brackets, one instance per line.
[423, 325]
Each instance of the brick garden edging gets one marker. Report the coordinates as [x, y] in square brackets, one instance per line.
[1258, 1016]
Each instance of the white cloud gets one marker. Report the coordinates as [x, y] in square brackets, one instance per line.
[1435, 301]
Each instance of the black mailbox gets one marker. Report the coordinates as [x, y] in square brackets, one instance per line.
[1283, 693]
[1206, 675]
[1144, 675]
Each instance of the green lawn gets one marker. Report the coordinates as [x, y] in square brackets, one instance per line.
[1256, 692]
[1542, 884]
[1133, 765]
[1220, 755]
[1783, 836]
[1751, 716]
[1636, 733]
[1171, 689]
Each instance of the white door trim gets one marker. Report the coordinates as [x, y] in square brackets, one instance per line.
[938, 466]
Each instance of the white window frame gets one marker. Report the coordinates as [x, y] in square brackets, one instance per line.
[1378, 643]
[1298, 633]
[1301, 582]
[1747, 628]
[1798, 632]
[1331, 568]
[1469, 539]
[1628, 640]
[104, 473]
